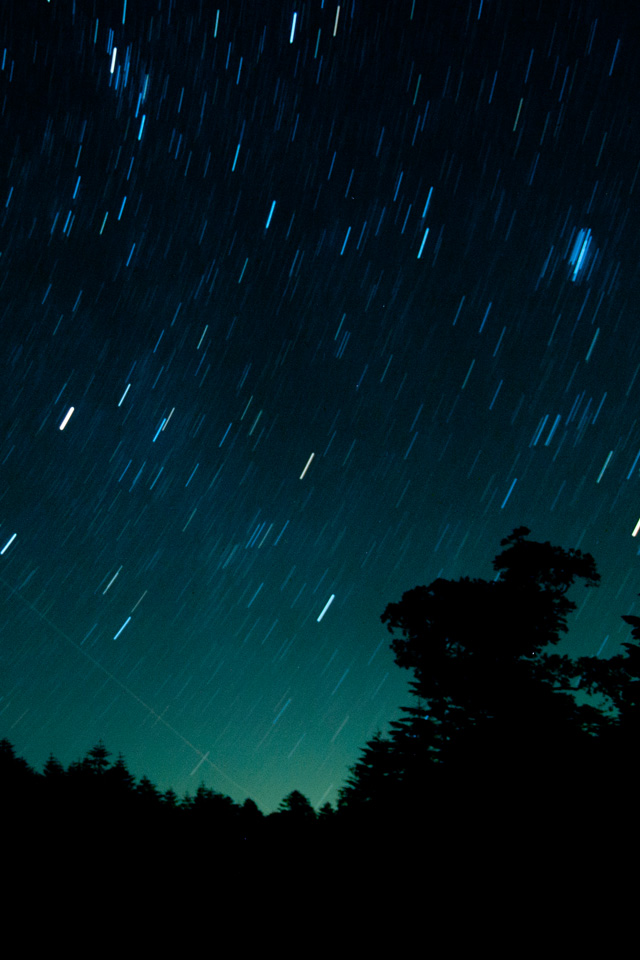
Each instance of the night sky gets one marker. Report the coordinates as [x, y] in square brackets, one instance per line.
[302, 305]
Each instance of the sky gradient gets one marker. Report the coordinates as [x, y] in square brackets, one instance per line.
[302, 305]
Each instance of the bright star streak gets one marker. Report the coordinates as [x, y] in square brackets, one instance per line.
[67, 418]
[326, 607]
[8, 544]
[307, 466]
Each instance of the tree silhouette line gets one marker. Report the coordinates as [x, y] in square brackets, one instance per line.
[97, 794]
[494, 749]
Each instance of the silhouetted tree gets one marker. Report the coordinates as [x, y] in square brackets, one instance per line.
[118, 794]
[97, 759]
[53, 770]
[496, 722]
[297, 806]
[119, 781]
[326, 812]
[13, 768]
[250, 821]
[19, 786]
[294, 822]
[54, 794]
[215, 807]
[250, 809]
[148, 795]
[628, 705]
[373, 778]
[170, 799]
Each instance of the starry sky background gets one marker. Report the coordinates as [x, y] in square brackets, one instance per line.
[399, 236]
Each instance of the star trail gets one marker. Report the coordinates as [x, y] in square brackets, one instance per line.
[302, 305]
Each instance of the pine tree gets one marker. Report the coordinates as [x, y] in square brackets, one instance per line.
[53, 769]
[97, 759]
[295, 804]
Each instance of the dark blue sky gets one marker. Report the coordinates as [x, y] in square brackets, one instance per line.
[400, 237]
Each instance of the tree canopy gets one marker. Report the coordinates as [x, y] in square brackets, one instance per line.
[495, 712]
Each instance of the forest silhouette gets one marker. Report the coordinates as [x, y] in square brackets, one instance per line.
[494, 752]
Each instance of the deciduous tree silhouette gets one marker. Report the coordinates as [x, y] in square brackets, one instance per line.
[629, 704]
[496, 725]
